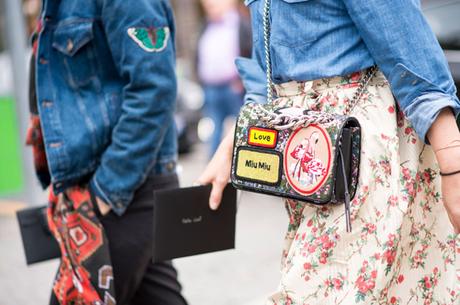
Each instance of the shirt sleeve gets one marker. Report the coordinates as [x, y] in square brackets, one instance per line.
[409, 55]
[141, 42]
[253, 78]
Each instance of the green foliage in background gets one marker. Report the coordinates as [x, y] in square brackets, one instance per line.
[11, 179]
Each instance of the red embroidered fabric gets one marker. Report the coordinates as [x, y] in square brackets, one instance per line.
[85, 274]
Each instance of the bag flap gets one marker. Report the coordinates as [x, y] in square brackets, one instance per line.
[309, 155]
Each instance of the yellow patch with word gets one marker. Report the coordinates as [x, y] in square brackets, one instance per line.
[258, 166]
[262, 137]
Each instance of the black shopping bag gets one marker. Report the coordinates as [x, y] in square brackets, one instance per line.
[39, 244]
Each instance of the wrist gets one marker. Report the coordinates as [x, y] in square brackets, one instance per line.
[103, 207]
[228, 140]
[444, 130]
[449, 159]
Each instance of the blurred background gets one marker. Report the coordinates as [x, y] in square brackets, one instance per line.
[205, 109]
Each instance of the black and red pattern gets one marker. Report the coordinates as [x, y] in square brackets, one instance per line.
[85, 276]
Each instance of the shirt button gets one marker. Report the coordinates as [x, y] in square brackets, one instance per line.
[43, 61]
[119, 205]
[47, 103]
[415, 82]
[403, 74]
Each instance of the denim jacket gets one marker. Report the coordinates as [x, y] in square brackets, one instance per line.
[312, 39]
[106, 89]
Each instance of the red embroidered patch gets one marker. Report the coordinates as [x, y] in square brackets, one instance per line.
[308, 159]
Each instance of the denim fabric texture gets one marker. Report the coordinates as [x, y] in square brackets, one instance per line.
[106, 103]
[313, 39]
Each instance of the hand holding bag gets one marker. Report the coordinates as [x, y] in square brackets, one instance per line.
[295, 153]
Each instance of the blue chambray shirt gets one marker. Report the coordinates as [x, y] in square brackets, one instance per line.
[312, 39]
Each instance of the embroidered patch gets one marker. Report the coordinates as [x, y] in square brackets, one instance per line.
[258, 166]
[150, 39]
[262, 137]
[307, 159]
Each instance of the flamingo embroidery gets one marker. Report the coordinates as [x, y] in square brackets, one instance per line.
[308, 168]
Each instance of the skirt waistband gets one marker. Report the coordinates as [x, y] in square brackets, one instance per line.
[352, 80]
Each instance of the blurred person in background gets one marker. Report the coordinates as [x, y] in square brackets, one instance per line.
[227, 35]
[102, 98]
[31, 9]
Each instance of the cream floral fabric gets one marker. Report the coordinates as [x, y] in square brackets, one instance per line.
[402, 249]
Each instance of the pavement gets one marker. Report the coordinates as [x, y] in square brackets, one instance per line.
[243, 276]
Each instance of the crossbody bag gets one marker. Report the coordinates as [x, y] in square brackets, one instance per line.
[299, 154]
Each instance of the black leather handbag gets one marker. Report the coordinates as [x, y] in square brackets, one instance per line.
[39, 244]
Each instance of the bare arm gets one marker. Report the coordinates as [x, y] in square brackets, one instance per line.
[443, 135]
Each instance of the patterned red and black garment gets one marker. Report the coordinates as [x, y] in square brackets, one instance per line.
[85, 275]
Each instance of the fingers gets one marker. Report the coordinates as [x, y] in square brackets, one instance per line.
[203, 180]
[217, 172]
[218, 187]
[453, 212]
[206, 177]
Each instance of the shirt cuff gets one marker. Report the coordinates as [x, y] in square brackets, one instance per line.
[424, 110]
[254, 98]
[117, 205]
[253, 78]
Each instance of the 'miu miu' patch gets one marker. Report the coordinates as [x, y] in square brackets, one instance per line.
[150, 39]
[258, 165]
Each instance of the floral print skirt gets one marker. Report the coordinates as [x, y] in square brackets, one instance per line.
[402, 249]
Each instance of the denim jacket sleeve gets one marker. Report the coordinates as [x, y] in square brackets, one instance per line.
[148, 97]
[406, 50]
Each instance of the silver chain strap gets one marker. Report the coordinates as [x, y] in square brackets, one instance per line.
[267, 50]
[350, 106]
[281, 121]
[284, 121]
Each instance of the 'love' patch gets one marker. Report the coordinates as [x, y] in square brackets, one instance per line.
[262, 137]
